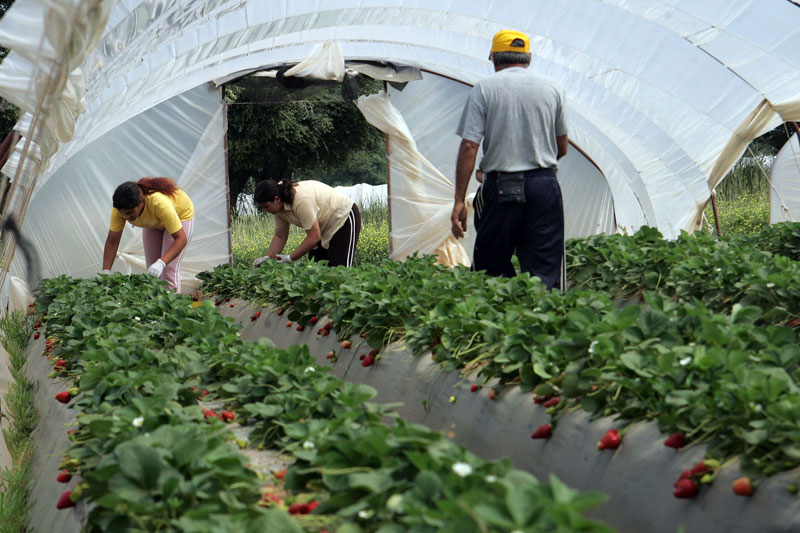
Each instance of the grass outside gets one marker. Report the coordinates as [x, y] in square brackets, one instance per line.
[19, 405]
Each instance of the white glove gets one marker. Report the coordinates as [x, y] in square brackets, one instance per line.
[284, 258]
[257, 262]
[106, 272]
[156, 268]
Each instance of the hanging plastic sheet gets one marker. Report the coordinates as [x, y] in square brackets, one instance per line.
[421, 197]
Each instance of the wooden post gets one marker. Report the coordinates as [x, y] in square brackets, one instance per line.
[389, 181]
[716, 213]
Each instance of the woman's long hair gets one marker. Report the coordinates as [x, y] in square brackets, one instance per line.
[129, 194]
[267, 190]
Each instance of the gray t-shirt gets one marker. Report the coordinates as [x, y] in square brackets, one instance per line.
[518, 115]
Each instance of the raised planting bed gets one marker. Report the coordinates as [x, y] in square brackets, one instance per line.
[167, 391]
[638, 476]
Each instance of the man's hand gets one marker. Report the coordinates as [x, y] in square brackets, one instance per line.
[459, 219]
[282, 258]
[260, 260]
[156, 268]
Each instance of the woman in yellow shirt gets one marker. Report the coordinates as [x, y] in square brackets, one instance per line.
[330, 219]
[166, 215]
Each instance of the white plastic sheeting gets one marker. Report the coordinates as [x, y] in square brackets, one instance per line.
[183, 139]
[658, 90]
[421, 197]
[784, 198]
[664, 95]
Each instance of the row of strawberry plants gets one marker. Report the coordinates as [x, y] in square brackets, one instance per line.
[151, 459]
[721, 379]
[758, 270]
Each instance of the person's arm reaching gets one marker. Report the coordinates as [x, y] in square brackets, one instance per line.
[176, 247]
[562, 143]
[313, 235]
[110, 248]
[467, 153]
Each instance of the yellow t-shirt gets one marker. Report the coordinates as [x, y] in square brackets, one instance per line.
[314, 200]
[160, 212]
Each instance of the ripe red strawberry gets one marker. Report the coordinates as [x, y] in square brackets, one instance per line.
[686, 474]
[65, 500]
[253, 318]
[685, 489]
[312, 505]
[699, 469]
[552, 402]
[204, 393]
[346, 344]
[71, 431]
[362, 356]
[539, 398]
[64, 476]
[543, 432]
[36, 335]
[289, 324]
[299, 508]
[368, 360]
[228, 416]
[373, 352]
[610, 440]
[30, 305]
[330, 355]
[675, 440]
[329, 325]
[63, 397]
[257, 314]
[227, 300]
[743, 486]
[281, 311]
[300, 327]
[474, 388]
[313, 320]
[492, 394]
[61, 363]
[280, 473]
[37, 324]
[209, 413]
[324, 332]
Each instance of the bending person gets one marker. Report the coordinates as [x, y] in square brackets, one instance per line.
[166, 215]
[330, 219]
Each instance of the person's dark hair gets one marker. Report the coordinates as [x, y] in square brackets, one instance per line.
[267, 190]
[511, 58]
[128, 195]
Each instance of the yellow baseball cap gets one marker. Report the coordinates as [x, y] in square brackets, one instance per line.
[511, 41]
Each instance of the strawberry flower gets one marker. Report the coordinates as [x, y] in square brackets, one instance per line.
[308, 445]
[138, 421]
[462, 469]
[366, 514]
[309, 369]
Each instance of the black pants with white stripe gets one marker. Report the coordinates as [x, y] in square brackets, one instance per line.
[342, 248]
[534, 230]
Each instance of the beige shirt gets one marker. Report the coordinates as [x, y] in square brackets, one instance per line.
[313, 200]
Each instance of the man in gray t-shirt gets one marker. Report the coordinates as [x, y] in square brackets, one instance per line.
[521, 119]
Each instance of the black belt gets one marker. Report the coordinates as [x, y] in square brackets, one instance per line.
[532, 173]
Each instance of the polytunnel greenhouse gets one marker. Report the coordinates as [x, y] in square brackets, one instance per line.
[660, 392]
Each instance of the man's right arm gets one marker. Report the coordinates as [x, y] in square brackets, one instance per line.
[562, 143]
[467, 153]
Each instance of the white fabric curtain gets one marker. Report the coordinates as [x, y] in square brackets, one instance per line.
[784, 198]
